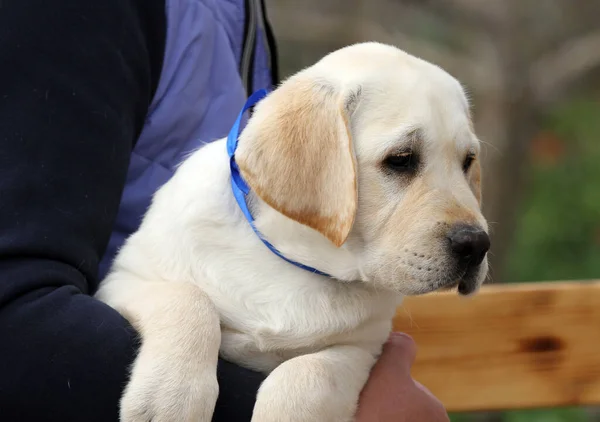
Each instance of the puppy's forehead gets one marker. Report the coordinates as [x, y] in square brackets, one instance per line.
[400, 94]
[408, 100]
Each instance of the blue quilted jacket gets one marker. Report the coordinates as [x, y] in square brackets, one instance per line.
[217, 52]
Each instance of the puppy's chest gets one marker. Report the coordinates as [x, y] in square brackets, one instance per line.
[264, 350]
[261, 336]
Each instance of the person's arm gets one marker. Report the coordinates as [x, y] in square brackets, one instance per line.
[76, 80]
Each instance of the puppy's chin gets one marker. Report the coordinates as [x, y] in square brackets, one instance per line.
[465, 285]
[417, 284]
[449, 287]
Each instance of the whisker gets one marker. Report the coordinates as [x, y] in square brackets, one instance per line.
[491, 145]
[410, 318]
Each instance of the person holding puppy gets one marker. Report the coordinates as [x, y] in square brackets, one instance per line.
[99, 101]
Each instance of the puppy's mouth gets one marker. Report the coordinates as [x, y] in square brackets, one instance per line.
[465, 283]
[463, 288]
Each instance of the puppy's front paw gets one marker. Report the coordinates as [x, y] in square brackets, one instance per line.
[316, 399]
[164, 388]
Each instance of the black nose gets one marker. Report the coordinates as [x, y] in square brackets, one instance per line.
[469, 244]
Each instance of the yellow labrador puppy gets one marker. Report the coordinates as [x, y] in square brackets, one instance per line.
[354, 183]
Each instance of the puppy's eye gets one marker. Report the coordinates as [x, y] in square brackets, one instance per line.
[468, 162]
[403, 162]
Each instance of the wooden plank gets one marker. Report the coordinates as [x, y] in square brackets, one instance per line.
[508, 347]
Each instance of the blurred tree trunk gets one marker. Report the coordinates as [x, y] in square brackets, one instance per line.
[505, 120]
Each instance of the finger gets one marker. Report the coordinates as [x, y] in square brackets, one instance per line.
[400, 350]
[424, 389]
[404, 346]
[440, 409]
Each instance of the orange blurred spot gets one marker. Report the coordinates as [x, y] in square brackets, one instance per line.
[547, 148]
[597, 236]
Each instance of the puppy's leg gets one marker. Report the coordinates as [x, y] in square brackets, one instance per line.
[319, 387]
[174, 376]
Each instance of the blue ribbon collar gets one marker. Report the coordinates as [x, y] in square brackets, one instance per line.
[239, 186]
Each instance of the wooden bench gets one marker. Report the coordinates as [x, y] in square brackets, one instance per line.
[511, 346]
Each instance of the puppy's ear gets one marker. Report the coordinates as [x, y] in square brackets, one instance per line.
[475, 180]
[296, 154]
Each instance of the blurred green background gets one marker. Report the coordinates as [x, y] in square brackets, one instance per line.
[557, 234]
[532, 70]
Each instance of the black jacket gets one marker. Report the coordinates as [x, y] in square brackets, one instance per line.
[76, 79]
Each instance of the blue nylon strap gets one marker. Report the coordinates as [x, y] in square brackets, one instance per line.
[239, 186]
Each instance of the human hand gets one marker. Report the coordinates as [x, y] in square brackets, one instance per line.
[391, 395]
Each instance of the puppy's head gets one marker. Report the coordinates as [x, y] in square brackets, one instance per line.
[374, 149]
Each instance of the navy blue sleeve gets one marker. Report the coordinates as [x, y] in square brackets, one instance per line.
[75, 82]
[76, 79]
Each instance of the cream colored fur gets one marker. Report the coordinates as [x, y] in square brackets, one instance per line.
[195, 280]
